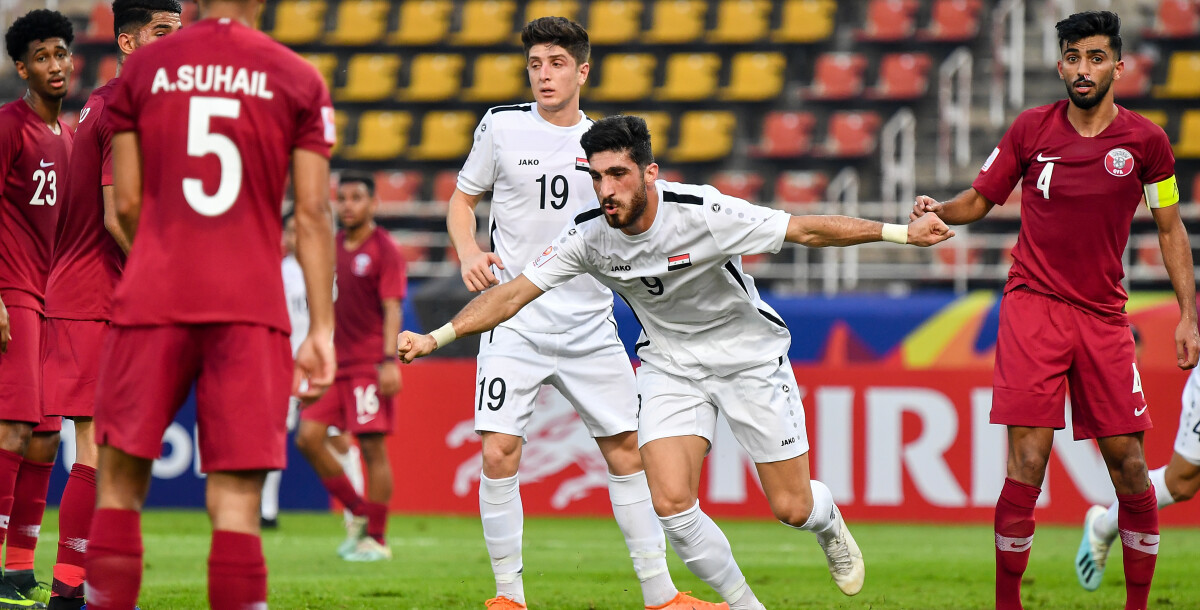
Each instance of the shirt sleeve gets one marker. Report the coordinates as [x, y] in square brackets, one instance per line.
[10, 143]
[1003, 168]
[316, 129]
[478, 174]
[1158, 172]
[740, 227]
[560, 262]
[393, 274]
[104, 134]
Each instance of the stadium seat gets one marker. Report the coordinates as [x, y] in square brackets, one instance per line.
[785, 135]
[626, 77]
[498, 78]
[800, 189]
[191, 12]
[396, 189]
[325, 63]
[433, 77]
[889, 20]
[902, 76]
[676, 21]
[953, 21]
[755, 77]
[444, 183]
[1176, 19]
[613, 21]
[485, 22]
[107, 70]
[1135, 80]
[359, 22]
[1188, 146]
[704, 136]
[79, 63]
[672, 175]
[445, 135]
[851, 134]
[298, 21]
[100, 23]
[1183, 76]
[413, 245]
[422, 22]
[690, 77]
[340, 120]
[838, 76]
[1196, 188]
[369, 78]
[382, 136]
[1157, 116]
[806, 21]
[741, 21]
[659, 123]
[740, 184]
[551, 8]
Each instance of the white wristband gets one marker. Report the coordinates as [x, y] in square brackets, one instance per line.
[897, 234]
[444, 335]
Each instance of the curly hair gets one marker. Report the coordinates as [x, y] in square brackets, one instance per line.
[620, 133]
[129, 15]
[40, 24]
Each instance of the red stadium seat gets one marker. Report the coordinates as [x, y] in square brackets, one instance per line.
[107, 70]
[1135, 81]
[902, 76]
[743, 185]
[396, 188]
[953, 21]
[838, 76]
[413, 246]
[800, 189]
[852, 134]
[671, 175]
[190, 13]
[889, 20]
[80, 63]
[786, 134]
[1176, 19]
[444, 184]
[100, 23]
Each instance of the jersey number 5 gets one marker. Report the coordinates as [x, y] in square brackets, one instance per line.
[202, 142]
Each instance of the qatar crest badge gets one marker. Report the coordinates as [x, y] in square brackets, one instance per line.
[1118, 162]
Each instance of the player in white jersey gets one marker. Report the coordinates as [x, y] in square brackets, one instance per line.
[528, 156]
[709, 342]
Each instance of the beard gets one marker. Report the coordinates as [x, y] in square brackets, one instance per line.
[1088, 101]
[637, 207]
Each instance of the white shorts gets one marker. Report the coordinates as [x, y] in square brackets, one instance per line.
[762, 405]
[590, 369]
[1187, 438]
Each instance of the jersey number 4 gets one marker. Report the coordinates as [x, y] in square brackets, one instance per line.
[202, 142]
[1043, 182]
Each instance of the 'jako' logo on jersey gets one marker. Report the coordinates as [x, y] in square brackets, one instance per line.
[362, 264]
[527, 162]
[1118, 162]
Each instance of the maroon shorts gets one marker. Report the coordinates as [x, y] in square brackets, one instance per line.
[70, 363]
[242, 373]
[353, 404]
[21, 372]
[1046, 346]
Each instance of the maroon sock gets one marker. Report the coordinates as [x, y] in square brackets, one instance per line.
[237, 572]
[1137, 522]
[74, 521]
[340, 488]
[10, 465]
[377, 514]
[1014, 537]
[29, 506]
[114, 559]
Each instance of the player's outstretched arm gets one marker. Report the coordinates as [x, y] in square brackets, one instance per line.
[967, 207]
[822, 231]
[127, 181]
[460, 223]
[482, 314]
[111, 221]
[1177, 258]
[315, 363]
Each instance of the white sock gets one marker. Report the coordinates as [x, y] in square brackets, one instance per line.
[503, 525]
[821, 519]
[1158, 478]
[270, 494]
[630, 496]
[352, 466]
[1106, 527]
[705, 550]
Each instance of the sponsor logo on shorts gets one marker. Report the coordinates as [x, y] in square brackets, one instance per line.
[679, 261]
[1138, 412]
[788, 441]
[621, 268]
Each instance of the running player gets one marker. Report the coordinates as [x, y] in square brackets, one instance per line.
[709, 343]
[35, 149]
[204, 130]
[528, 156]
[89, 252]
[1085, 164]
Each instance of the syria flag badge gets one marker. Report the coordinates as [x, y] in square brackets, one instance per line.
[581, 164]
[679, 261]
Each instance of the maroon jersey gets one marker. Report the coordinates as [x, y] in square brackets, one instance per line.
[1078, 197]
[218, 109]
[33, 163]
[365, 276]
[87, 260]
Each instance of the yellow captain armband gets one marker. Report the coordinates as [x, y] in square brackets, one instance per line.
[1162, 194]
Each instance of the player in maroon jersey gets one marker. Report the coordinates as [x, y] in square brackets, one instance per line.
[35, 149]
[205, 128]
[370, 284]
[89, 252]
[1085, 163]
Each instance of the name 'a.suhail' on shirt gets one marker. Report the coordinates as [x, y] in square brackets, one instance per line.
[213, 79]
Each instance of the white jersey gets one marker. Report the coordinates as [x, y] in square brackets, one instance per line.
[700, 313]
[297, 300]
[538, 175]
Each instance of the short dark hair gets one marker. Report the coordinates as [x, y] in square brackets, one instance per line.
[131, 15]
[558, 31]
[620, 133]
[40, 24]
[1091, 23]
[356, 177]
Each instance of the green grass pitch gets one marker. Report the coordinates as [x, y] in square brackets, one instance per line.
[440, 563]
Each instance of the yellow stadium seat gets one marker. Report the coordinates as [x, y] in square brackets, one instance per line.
[422, 22]
[1188, 146]
[677, 21]
[339, 124]
[369, 78]
[445, 135]
[704, 136]
[741, 21]
[1183, 76]
[433, 77]
[755, 77]
[326, 65]
[806, 21]
[359, 22]
[690, 77]
[627, 77]
[613, 21]
[485, 22]
[551, 8]
[659, 123]
[498, 78]
[382, 135]
[298, 21]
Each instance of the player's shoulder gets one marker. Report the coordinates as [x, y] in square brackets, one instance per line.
[697, 200]
[384, 240]
[501, 116]
[1038, 115]
[12, 112]
[1141, 125]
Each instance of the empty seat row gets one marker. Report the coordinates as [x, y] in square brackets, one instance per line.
[896, 20]
[786, 135]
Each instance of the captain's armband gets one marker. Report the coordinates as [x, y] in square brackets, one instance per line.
[1162, 194]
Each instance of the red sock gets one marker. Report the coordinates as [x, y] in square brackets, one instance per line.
[10, 465]
[377, 514]
[29, 505]
[114, 559]
[1014, 537]
[74, 521]
[237, 572]
[340, 488]
[1137, 522]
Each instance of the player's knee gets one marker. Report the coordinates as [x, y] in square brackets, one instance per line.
[793, 511]
[1185, 492]
[667, 503]
[15, 436]
[307, 442]
[373, 447]
[501, 458]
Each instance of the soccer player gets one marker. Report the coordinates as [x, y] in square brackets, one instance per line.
[90, 250]
[1084, 163]
[204, 128]
[371, 282]
[35, 150]
[709, 342]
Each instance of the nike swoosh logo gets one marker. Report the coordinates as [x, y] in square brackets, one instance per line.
[1138, 412]
[44, 164]
[1017, 547]
[1042, 159]
[1145, 542]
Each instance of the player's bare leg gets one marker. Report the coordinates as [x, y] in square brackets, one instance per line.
[310, 439]
[378, 470]
[1137, 517]
[114, 557]
[347, 454]
[501, 513]
[1028, 453]
[237, 571]
[75, 519]
[29, 506]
